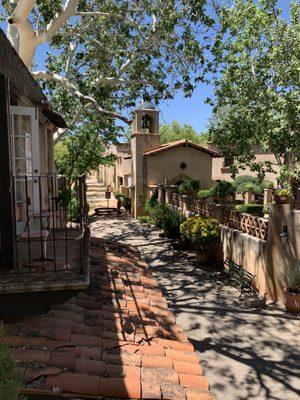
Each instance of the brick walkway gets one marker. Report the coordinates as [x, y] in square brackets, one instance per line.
[115, 340]
[246, 354]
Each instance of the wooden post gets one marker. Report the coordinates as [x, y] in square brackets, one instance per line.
[7, 215]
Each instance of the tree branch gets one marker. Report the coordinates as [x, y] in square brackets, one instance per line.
[110, 15]
[22, 11]
[59, 20]
[72, 88]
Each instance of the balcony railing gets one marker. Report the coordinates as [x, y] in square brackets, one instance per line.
[48, 223]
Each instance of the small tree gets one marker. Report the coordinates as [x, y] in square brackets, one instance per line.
[81, 153]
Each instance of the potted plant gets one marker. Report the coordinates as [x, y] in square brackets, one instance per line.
[283, 196]
[205, 195]
[202, 232]
[189, 187]
[291, 277]
[224, 191]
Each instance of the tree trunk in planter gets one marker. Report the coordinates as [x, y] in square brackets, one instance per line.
[249, 197]
[203, 258]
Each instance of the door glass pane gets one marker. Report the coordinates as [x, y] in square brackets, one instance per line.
[24, 199]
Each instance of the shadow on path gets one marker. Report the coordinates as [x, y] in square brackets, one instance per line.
[246, 354]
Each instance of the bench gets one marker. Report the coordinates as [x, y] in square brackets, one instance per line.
[107, 211]
[238, 276]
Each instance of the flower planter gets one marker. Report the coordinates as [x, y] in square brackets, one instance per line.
[292, 301]
[282, 199]
[203, 258]
[229, 198]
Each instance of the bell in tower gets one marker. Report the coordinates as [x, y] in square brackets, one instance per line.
[146, 118]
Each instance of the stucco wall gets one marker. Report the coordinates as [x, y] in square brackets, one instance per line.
[248, 252]
[219, 172]
[266, 259]
[198, 166]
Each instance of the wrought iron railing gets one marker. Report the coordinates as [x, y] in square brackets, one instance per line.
[49, 216]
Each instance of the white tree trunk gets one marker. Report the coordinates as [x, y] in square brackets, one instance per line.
[22, 35]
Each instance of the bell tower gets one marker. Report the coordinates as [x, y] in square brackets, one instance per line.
[145, 136]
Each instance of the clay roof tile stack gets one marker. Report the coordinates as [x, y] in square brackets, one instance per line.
[118, 339]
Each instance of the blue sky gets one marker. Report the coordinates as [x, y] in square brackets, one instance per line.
[191, 110]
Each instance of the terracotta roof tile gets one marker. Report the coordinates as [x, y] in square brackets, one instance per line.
[187, 380]
[173, 392]
[160, 374]
[151, 390]
[74, 383]
[117, 339]
[179, 143]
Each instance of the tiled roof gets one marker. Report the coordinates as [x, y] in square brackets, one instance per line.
[179, 143]
[115, 340]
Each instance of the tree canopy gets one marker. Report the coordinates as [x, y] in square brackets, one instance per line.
[104, 54]
[80, 153]
[256, 62]
[175, 131]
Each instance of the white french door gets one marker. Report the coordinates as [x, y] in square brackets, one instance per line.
[25, 163]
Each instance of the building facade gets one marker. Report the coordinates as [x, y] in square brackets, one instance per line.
[144, 163]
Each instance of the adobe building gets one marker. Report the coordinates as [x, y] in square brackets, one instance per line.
[152, 163]
[221, 166]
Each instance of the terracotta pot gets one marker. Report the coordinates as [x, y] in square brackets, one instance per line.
[292, 301]
[203, 258]
[282, 199]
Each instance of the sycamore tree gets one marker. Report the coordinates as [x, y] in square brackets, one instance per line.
[103, 54]
[256, 61]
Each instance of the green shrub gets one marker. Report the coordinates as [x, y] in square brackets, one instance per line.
[253, 209]
[164, 217]
[119, 195]
[291, 276]
[205, 193]
[200, 231]
[239, 180]
[223, 189]
[244, 187]
[189, 186]
[171, 222]
[267, 184]
[151, 201]
[10, 379]
[146, 220]
[126, 202]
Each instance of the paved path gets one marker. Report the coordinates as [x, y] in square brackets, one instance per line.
[246, 354]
